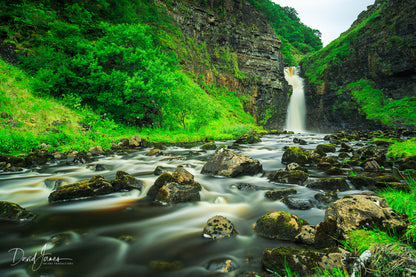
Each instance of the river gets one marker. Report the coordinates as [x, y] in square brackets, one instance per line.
[123, 234]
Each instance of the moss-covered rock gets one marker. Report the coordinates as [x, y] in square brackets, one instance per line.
[322, 149]
[300, 261]
[289, 177]
[125, 181]
[295, 154]
[279, 225]
[177, 187]
[277, 194]
[154, 152]
[209, 146]
[14, 212]
[248, 139]
[326, 198]
[219, 227]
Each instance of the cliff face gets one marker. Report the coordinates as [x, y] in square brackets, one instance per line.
[231, 44]
[380, 46]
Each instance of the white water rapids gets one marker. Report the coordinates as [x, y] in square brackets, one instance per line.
[295, 119]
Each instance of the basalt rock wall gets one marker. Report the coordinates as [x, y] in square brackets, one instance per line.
[380, 46]
[231, 44]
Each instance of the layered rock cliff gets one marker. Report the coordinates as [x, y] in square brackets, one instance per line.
[380, 47]
[231, 44]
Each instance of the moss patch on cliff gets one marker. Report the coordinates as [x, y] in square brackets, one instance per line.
[376, 106]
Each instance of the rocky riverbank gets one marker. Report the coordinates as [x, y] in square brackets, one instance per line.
[346, 162]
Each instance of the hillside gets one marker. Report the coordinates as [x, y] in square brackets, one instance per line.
[365, 79]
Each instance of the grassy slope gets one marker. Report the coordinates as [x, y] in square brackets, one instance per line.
[35, 120]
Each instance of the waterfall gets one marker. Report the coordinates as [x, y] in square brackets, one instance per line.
[296, 111]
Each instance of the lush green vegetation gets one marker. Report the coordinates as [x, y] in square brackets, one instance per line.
[375, 106]
[114, 64]
[115, 57]
[297, 38]
[28, 120]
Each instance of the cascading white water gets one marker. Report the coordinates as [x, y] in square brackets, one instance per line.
[295, 119]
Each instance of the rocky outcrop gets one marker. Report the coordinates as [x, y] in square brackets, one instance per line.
[94, 187]
[177, 187]
[238, 49]
[356, 211]
[231, 164]
[379, 46]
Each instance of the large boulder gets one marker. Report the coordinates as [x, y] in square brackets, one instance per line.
[96, 186]
[300, 261]
[231, 164]
[355, 211]
[322, 149]
[279, 225]
[219, 227]
[295, 154]
[289, 177]
[177, 187]
[14, 213]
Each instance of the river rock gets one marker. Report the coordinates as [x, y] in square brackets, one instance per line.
[96, 150]
[279, 225]
[14, 213]
[125, 181]
[248, 139]
[334, 171]
[177, 187]
[300, 261]
[326, 198]
[97, 185]
[222, 265]
[155, 152]
[300, 141]
[329, 184]
[345, 147]
[297, 203]
[295, 166]
[136, 141]
[231, 164]
[328, 162]
[354, 211]
[219, 227]
[322, 149]
[407, 163]
[277, 194]
[306, 235]
[371, 165]
[288, 177]
[370, 152]
[295, 154]
[209, 146]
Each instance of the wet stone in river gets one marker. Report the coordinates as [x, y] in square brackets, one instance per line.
[219, 227]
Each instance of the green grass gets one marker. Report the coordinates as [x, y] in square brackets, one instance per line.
[36, 120]
[402, 149]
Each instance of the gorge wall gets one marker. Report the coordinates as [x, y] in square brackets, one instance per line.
[230, 44]
[380, 46]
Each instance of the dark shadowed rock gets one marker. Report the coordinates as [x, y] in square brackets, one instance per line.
[125, 181]
[279, 226]
[322, 149]
[330, 184]
[289, 177]
[14, 212]
[219, 227]
[345, 148]
[231, 164]
[326, 198]
[297, 203]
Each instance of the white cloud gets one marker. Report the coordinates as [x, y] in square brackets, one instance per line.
[331, 17]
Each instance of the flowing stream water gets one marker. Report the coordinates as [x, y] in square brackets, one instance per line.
[296, 111]
[123, 234]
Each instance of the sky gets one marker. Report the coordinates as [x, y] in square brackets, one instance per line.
[331, 17]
